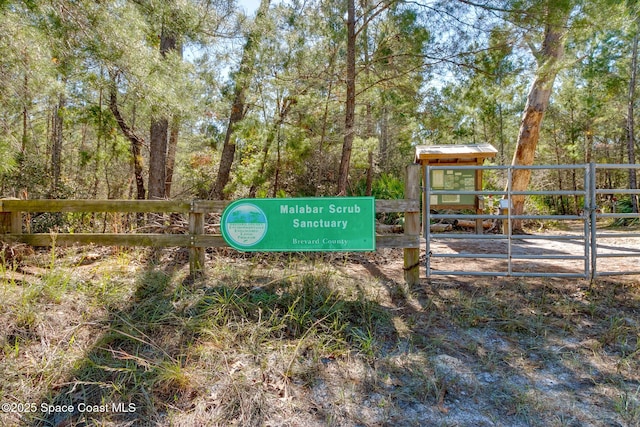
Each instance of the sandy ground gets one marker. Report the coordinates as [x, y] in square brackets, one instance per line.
[567, 253]
[452, 351]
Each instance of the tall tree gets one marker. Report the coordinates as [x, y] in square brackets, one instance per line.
[159, 134]
[135, 140]
[350, 103]
[283, 110]
[390, 39]
[57, 128]
[242, 82]
[555, 16]
[172, 148]
[631, 146]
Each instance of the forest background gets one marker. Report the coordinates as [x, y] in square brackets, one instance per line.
[200, 99]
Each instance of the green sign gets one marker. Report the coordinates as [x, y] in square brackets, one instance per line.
[450, 179]
[301, 224]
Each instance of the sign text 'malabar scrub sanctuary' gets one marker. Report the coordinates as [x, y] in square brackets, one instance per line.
[301, 224]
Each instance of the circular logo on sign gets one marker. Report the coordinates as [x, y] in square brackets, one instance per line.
[245, 224]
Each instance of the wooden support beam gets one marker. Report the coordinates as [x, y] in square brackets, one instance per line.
[412, 226]
[196, 253]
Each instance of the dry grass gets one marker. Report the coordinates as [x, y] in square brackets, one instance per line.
[309, 340]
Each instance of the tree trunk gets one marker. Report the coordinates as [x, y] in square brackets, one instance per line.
[633, 183]
[549, 58]
[276, 178]
[159, 134]
[158, 158]
[384, 138]
[320, 167]
[271, 136]
[135, 140]
[369, 183]
[56, 145]
[25, 116]
[238, 108]
[370, 126]
[502, 144]
[559, 161]
[171, 155]
[589, 142]
[229, 146]
[323, 136]
[350, 106]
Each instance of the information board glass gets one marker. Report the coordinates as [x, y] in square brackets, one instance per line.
[453, 179]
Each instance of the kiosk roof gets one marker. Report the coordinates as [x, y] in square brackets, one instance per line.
[454, 153]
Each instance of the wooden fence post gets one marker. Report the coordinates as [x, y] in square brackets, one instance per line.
[10, 222]
[5, 220]
[196, 253]
[412, 226]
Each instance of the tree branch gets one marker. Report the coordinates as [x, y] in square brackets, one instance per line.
[124, 126]
[377, 12]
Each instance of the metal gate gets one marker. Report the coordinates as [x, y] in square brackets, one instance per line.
[578, 245]
[607, 245]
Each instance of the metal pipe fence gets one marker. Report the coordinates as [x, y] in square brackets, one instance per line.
[601, 247]
[519, 255]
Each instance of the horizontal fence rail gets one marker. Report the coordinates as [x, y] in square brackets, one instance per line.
[199, 207]
[11, 213]
[195, 238]
[597, 246]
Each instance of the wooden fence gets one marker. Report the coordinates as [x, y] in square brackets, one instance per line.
[11, 225]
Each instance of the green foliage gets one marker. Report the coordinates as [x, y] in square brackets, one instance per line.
[8, 163]
[309, 307]
[447, 73]
[28, 174]
[624, 205]
[383, 187]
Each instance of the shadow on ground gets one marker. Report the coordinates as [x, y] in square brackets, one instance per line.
[341, 342]
[150, 360]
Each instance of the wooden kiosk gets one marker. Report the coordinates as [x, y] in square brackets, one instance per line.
[451, 179]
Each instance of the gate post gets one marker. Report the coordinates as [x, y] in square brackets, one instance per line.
[593, 204]
[412, 225]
